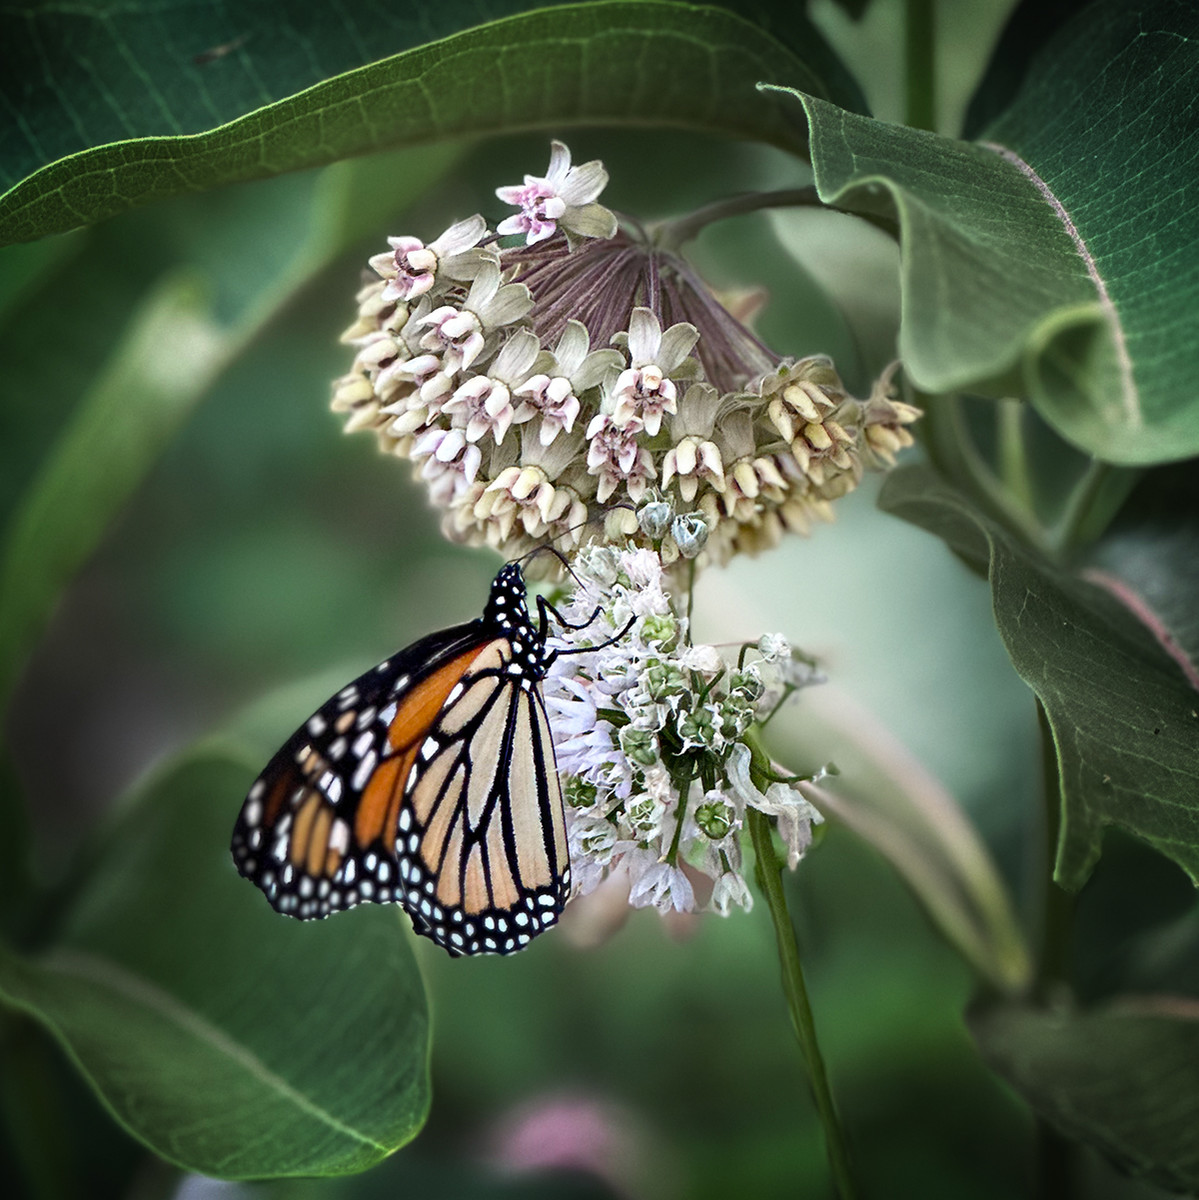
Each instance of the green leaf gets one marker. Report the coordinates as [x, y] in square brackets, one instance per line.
[170, 355]
[1149, 559]
[1061, 257]
[124, 124]
[1121, 703]
[230, 1040]
[1123, 1078]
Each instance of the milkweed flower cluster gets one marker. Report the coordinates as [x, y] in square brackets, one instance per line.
[568, 380]
[649, 733]
[535, 386]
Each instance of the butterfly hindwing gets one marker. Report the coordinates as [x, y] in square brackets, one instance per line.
[313, 830]
[429, 781]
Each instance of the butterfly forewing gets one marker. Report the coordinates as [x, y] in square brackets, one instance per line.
[482, 845]
[430, 781]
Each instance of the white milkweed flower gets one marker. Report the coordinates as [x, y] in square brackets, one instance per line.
[678, 393]
[569, 372]
[638, 724]
[564, 196]
[644, 391]
[459, 335]
[483, 404]
[412, 267]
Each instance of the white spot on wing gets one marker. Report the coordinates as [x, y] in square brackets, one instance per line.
[365, 768]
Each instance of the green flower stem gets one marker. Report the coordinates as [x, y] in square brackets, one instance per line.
[672, 235]
[1056, 1157]
[1054, 959]
[1013, 453]
[1093, 502]
[919, 53]
[947, 438]
[770, 882]
[672, 856]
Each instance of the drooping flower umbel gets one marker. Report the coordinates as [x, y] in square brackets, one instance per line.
[627, 375]
[587, 372]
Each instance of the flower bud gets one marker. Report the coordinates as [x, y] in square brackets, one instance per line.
[640, 746]
[659, 628]
[619, 523]
[690, 531]
[663, 679]
[715, 816]
[748, 684]
[654, 519]
[578, 793]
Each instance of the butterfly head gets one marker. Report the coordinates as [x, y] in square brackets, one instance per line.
[507, 612]
[508, 594]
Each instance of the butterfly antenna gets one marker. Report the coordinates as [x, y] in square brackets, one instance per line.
[550, 548]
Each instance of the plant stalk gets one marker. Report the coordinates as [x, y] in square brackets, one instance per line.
[1013, 454]
[1056, 918]
[1056, 1158]
[673, 235]
[919, 60]
[770, 882]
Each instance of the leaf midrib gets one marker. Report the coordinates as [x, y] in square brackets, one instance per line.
[104, 973]
[1129, 392]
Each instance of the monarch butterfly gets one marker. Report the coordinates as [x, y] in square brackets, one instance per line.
[430, 781]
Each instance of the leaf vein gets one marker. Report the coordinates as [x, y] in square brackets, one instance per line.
[106, 974]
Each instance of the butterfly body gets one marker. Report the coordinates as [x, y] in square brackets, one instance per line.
[428, 781]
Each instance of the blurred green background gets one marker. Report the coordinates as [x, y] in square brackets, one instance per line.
[266, 547]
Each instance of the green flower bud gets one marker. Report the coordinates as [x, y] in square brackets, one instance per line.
[736, 716]
[715, 817]
[639, 745]
[697, 728]
[663, 679]
[578, 793]
[748, 684]
[659, 628]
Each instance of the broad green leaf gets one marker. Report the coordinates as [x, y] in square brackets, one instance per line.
[170, 355]
[1123, 1078]
[1149, 559]
[230, 1040]
[1060, 258]
[1121, 703]
[295, 86]
[888, 799]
